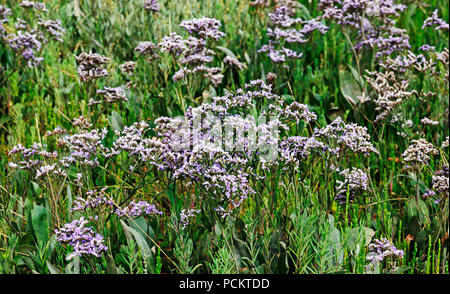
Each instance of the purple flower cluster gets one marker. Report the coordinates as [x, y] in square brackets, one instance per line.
[373, 20]
[95, 199]
[392, 91]
[151, 5]
[204, 28]
[383, 250]
[193, 53]
[354, 183]
[53, 27]
[350, 137]
[27, 40]
[27, 44]
[440, 185]
[90, 66]
[35, 159]
[83, 239]
[185, 215]
[234, 63]
[33, 5]
[418, 153]
[128, 68]
[434, 20]
[148, 49]
[84, 148]
[213, 149]
[4, 12]
[282, 34]
[137, 208]
[112, 95]
[294, 149]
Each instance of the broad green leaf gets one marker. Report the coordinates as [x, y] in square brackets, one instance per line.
[368, 235]
[53, 269]
[111, 267]
[400, 270]
[227, 51]
[74, 266]
[40, 224]
[349, 87]
[115, 120]
[143, 245]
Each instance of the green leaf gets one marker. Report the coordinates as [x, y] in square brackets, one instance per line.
[400, 270]
[424, 214]
[349, 87]
[411, 208]
[143, 245]
[141, 225]
[115, 121]
[69, 200]
[39, 220]
[368, 235]
[111, 267]
[227, 51]
[53, 269]
[36, 189]
[74, 266]
[356, 75]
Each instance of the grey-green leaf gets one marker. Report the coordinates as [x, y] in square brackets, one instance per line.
[40, 224]
[143, 245]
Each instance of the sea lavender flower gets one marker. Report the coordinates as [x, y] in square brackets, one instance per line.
[31, 158]
[297, 111]
[112, 95]
[148, 49]
[95, 199]
[434, 20]
[56, 131]
[28, 45]
[283, 33]
[82, 123]
[84, 148]
[90, 66]
[193, 53]
[137, 208]
[83, 239]
[173, 44]
[351, 136]
[383, 250]
[429, 122]
[128, 67]
[233, 62]
[151, 5]
[36, 5]
[185, 215]
[372, 20]
[313, 25]
[440, 182]
[205, 28]
[262, 3]
[428, 193]
[392, 91]
[50, 169]
[53, 27]
[445, 143]
[354, 183]
[418, 153]
[426, 48]
[4, 12]
[293, 149]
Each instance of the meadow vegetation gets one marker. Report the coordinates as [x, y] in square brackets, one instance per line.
[228, 136]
